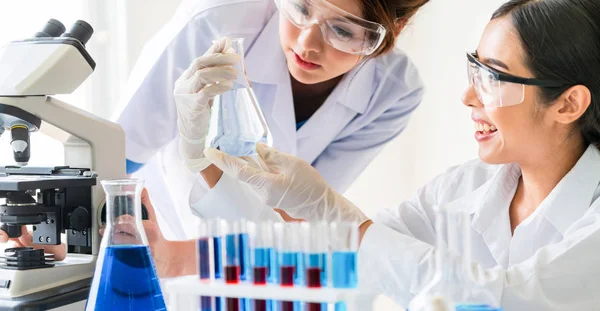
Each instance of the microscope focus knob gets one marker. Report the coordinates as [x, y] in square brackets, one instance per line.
[80, 219]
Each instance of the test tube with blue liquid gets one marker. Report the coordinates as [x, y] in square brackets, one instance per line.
[344, 257]
[264, 261]
[219, 230]
[316, 244]
[204, 248]
[244, 258]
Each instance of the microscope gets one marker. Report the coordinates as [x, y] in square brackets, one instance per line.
[61, 203]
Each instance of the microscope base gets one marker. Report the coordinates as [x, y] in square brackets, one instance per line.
[42, 289]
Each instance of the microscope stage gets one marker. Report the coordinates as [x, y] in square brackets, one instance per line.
[31, 178]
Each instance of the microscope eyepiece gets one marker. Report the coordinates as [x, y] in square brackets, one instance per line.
[53, 28]
[81, 31]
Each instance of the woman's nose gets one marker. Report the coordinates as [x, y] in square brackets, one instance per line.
[469, 97]
[311, 39]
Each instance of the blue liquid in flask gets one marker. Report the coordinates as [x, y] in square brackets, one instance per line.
[128, 280]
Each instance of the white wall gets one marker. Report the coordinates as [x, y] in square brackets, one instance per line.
[440, 133]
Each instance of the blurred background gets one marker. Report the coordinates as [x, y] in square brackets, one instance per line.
[440, 133]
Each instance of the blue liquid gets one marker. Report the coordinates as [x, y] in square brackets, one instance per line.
[204, 270]
[128, 280]
[203, 259]
[245, 264]
[344, 266]
[218, 259]
[231, 250]
[477, 308]
[344, 273]
[266, 257]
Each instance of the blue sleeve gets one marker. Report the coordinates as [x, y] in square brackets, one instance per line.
[132, 167]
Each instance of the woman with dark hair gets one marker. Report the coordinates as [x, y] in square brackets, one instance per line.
[533, 195]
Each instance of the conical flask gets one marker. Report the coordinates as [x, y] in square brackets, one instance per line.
[125, 277]
[453, 286]
[237, 123]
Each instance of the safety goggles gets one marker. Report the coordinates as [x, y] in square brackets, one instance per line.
[498, 89]
[340, 29]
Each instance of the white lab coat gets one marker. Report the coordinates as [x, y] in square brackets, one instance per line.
[552, 262]
[370, 106]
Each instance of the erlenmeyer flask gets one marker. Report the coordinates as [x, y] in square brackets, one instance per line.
[452, 286]
[237, 123]
[125, 277]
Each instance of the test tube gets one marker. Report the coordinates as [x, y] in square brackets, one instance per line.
[344, 258]
[245, 259]
[219, 230]
[231, 263]
[204, 248]
[263, 260]
[315, 248]
[288, 242]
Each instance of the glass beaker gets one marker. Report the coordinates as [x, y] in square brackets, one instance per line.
[237, 123]
[125, 277]
[452, 286]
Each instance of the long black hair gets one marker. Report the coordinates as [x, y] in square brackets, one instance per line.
[561, 39]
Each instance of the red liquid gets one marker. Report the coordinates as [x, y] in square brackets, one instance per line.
[260, 278]
[233, 304]
[260, 305]
[313, 280]
[313, 277]
[232, 276]
[286, 275]
[260, 275]
[286, 278]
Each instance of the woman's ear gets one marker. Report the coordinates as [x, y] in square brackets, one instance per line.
[572, 104]
[400, 23]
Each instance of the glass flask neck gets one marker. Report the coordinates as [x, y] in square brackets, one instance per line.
[237, 46]
[124, 212]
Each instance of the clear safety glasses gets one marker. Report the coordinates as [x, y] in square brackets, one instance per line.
[498, 89]
[342, 30]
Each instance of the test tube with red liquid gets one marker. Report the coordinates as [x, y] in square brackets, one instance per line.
[288, 243]
[316, 249]
[231, 263]
[264, 262]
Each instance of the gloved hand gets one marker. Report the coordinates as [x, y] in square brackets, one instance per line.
[290, 184]
[208, 76]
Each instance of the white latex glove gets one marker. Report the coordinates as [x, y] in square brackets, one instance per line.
[208, 76]
[290, 184]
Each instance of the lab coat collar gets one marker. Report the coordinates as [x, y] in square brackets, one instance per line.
[265, 61]
[573, 195]
[357, 85]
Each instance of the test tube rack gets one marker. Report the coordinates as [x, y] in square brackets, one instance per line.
[184, 294]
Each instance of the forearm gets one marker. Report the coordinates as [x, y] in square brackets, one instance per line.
[211, 175]
[178, 259]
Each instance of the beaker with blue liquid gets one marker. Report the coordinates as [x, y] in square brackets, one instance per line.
[452, 287]
[125, 277]
[237, 123]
